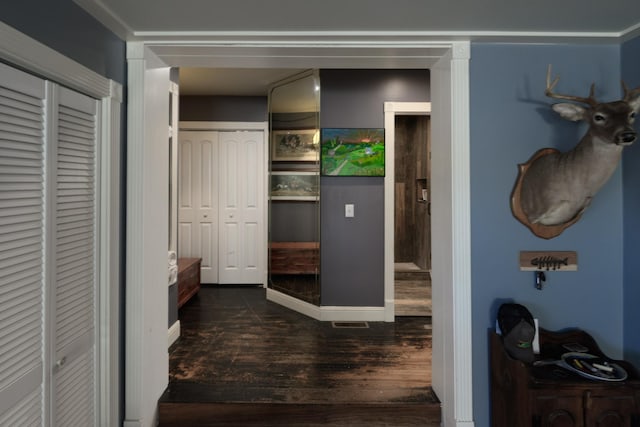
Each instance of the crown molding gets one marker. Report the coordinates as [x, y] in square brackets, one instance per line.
[630, 33]
[106, 17]
[23, 51]
[122, 29]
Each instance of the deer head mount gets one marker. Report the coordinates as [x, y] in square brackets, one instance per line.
[554, 188]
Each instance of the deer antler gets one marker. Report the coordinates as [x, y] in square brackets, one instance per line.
[630, 94]
[549, 91]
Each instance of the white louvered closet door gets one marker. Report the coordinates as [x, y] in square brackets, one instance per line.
[73, 259]
[21, 248]
[48, 254]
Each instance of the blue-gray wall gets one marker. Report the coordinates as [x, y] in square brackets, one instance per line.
[631, 202]
[352, 249]
[510, 119]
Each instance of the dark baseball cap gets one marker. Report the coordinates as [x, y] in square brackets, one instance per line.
[518, 330]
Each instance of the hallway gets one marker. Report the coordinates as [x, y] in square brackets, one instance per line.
[412, 289]
[242, 360]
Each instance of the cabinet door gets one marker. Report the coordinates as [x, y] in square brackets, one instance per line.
[609, 410]
[558, 411]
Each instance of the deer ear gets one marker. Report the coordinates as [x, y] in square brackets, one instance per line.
[569, 111]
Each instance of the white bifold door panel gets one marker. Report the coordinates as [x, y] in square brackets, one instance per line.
[241, 208]
[197, 200]
[72, 259]
[221, 204]
[48, 279]
[22, 136]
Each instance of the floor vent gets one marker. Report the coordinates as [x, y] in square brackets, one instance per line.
[352, 325]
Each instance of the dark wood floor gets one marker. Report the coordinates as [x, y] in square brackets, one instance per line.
[242, 360]
[412, 290]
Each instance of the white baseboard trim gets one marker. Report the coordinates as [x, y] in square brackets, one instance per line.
[390, 310]
[173, 333]
[353, 314]
[327, 313]
[294, 304]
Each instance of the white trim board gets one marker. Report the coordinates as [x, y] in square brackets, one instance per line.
[448, 62]
[173, 333]
[391, 110]
[18, 49]
[327, 313]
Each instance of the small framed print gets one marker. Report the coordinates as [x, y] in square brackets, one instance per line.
[294, 145]
[293, 185]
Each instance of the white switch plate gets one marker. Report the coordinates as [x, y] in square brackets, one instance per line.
[348, 210]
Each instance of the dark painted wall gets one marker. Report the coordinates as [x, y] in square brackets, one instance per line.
[223, 108]
[352, 249]
[65, 27]
[631, 196]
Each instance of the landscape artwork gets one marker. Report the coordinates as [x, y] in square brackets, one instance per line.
[294, 185]
[352, 152]
[294, 145]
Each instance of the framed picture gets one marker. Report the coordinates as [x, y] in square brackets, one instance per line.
[294, 145]
[294, 185]
[352, 152]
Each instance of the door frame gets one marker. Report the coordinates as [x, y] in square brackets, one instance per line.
[449, 64]
[391, 110]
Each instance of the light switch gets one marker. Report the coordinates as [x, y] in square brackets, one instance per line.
[348, 210]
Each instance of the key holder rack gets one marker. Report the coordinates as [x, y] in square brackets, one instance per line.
[541, 262]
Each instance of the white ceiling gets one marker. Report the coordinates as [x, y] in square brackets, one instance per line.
[470, 19]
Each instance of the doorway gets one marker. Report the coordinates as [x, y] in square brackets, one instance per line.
[412, 246]
[222, 200]
[449, 62]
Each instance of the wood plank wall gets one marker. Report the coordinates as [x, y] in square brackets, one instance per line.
[412, 170]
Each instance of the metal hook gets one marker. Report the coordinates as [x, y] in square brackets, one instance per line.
[540, 277]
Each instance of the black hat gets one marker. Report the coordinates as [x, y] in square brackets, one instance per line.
[518, 329]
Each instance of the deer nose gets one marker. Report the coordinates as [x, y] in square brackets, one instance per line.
[627, 137]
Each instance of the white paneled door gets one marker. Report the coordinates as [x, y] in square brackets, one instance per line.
[197, 200]
[221, 204]
[241, 197]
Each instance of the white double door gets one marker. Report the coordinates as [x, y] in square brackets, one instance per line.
[221, 204]
[49, 188]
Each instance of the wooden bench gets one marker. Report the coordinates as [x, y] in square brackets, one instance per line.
[188, 279]
[294, 257]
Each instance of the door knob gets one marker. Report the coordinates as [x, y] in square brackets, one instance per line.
[60, 363]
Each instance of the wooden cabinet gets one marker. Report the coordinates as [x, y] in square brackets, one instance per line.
[523, 395]
[188, 279]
